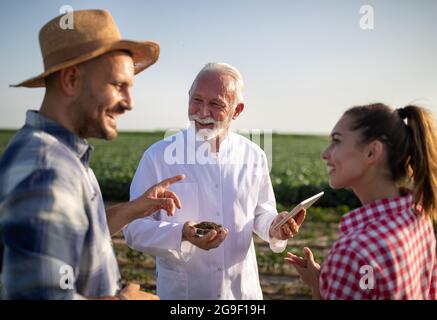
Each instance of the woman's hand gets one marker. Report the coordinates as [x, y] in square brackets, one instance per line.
[308, 270]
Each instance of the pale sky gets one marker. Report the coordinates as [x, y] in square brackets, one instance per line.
[303, 62]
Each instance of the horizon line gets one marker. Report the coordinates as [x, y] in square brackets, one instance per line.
[156, 130]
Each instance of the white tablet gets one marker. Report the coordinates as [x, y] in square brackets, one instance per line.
[303, 205]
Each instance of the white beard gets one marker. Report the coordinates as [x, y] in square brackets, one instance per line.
[208, 134]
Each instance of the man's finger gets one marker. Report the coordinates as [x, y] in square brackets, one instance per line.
[165, 203]
[191, 232]
[294, 227]
[170, 194]
[300, 217]
[210, 236]
[169, 181]
[205, 241]
[218, 239]
[286, 231]
[224, 233]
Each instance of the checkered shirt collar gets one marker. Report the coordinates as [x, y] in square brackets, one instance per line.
[80, 146]
[358, 218]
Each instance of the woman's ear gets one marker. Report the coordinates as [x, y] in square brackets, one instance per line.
[374, 151]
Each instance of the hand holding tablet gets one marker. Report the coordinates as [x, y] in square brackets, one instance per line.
[303, 205]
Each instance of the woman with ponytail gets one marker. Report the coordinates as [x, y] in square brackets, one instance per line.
[386, 248]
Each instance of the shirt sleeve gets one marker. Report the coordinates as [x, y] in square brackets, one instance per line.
[42, 227]
[265, 211]
[149, 234]
[346, 275]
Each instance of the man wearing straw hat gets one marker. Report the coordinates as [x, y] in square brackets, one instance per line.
[53, 225]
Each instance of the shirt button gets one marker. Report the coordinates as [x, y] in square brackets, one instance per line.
[216, 185]
[218, 213]
[218, 296]
[219, 269]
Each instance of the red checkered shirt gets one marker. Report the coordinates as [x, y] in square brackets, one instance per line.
[385, 251]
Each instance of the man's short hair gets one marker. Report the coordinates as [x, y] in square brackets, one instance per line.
[51, 79]
[226, 69]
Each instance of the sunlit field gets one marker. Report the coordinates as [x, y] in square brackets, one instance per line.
[297, 172]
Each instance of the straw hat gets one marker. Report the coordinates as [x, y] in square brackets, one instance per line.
[94, 33]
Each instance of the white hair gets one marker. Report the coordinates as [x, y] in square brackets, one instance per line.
[235, 86]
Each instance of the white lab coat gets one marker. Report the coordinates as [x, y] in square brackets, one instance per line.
[232, 188]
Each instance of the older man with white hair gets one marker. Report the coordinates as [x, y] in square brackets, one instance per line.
[227, 183]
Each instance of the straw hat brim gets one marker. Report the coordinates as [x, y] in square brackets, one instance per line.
[144, 54]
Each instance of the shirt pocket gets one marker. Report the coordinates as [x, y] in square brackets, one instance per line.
[188, 194]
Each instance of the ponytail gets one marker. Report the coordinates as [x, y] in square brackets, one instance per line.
[423, 157]
[411, 139]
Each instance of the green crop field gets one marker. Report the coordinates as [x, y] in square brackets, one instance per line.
[297, 172]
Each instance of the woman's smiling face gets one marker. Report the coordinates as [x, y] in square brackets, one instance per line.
[345, 158]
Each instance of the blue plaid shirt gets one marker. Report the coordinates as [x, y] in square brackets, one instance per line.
[52, 219]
